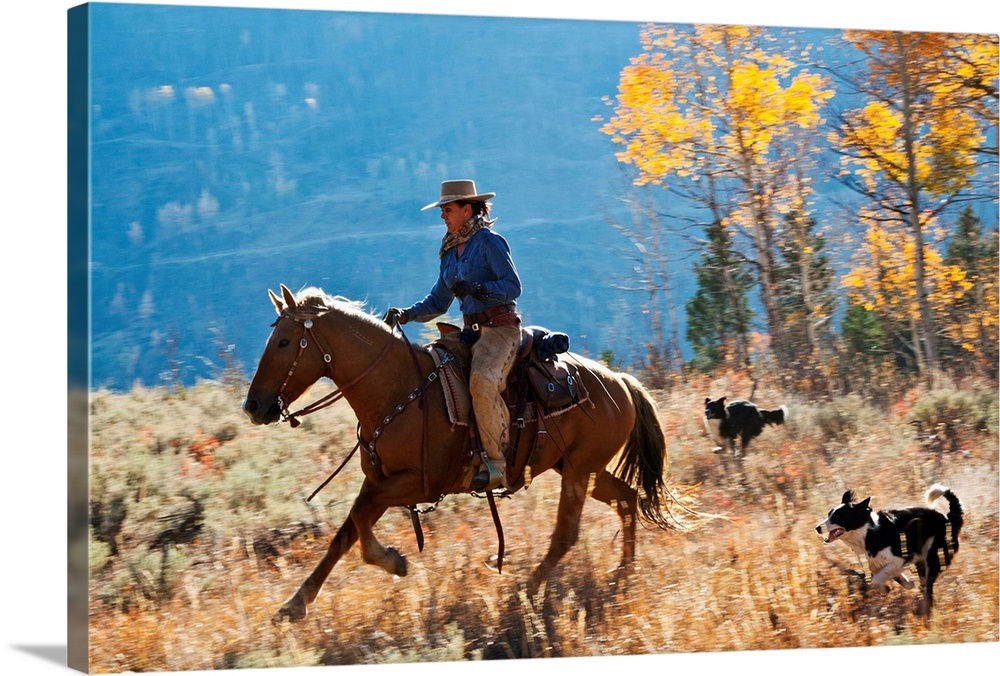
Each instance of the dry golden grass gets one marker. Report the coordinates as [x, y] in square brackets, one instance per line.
[761, 580]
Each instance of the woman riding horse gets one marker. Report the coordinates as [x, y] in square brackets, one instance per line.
[611, 449]
[476, 268]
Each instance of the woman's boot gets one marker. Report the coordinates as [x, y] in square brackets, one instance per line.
[489, 477]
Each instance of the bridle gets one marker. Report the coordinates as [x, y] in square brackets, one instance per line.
[329, 399]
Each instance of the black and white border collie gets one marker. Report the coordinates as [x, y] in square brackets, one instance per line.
[890, 539]
[739, 418]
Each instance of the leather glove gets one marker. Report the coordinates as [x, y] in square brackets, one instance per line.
[462, 289]
[395, 316]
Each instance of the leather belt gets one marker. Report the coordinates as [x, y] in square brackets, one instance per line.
[498, 315]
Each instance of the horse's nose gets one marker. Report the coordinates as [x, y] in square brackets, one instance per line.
[249, 406]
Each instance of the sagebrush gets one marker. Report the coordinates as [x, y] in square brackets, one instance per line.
[200, 528]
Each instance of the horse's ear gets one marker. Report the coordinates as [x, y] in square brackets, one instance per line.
[864, 503]
[289, 298]
[707, 400]
[278, 307]
[848, 497]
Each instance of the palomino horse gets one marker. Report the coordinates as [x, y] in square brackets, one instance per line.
[415, 455]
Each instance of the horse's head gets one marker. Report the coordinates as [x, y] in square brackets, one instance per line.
[289, 365]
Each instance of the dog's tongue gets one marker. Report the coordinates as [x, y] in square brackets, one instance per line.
[834, 534]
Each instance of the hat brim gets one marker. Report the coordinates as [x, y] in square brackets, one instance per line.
[463, 198]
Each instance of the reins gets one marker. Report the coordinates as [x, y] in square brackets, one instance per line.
[337, 471]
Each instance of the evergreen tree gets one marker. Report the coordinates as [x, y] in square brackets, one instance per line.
[967, 248]
[718, 315]
[970, 324]
[862, 333]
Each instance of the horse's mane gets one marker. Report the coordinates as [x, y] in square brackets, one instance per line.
[312, 302]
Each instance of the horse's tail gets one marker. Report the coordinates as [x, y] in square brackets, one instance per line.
[644, 460]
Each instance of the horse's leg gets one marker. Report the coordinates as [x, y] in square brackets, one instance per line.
[398, 490]
[369, 506]
[571, 499]
[612, 491]
[295, 608]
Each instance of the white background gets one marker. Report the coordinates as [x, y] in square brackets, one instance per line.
[33, 354]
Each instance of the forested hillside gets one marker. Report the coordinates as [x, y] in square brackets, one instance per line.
[677, 198]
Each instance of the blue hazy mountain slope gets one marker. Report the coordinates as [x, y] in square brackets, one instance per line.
[236, 149]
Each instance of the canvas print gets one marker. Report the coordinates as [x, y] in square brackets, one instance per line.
[406, 338]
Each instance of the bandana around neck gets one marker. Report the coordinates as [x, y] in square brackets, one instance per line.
[472, 226]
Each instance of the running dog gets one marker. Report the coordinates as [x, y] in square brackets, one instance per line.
[740, 418]
[892, 538]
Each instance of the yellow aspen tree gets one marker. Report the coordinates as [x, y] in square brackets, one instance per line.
[917, 143]
[882, 279]
[713, 114]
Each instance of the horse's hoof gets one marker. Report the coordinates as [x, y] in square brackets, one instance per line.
[293, 610]
[400, 569]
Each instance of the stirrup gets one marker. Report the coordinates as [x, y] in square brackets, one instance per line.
[489, 478]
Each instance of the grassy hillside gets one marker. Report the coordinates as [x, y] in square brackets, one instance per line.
[200, 530]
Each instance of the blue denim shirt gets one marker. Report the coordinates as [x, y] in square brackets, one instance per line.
[486, 260]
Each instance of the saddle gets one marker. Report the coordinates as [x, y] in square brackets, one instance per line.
[540, 385]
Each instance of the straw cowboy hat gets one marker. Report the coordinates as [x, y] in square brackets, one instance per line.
[453, 191]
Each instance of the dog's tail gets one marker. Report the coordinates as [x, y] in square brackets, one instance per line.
[954, 509]
[775, 416]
